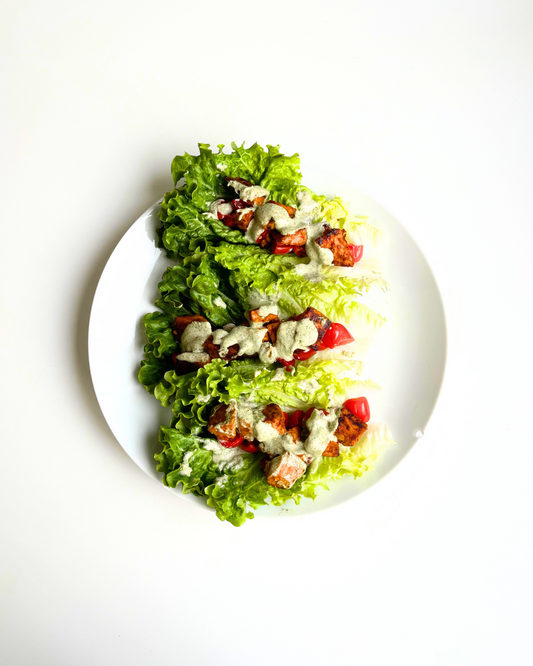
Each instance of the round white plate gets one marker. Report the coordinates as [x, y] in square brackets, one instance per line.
[407, 358]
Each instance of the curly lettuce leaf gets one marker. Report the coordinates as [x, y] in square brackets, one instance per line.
[247, 488]
[336, 297]
[153, 370]
[199, 286]
[170, 461]
[251, 267]
[158, 327]
[322, 384]
[184, 210]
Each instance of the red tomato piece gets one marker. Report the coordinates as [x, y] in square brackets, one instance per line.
[295, 419]
[226, 219]
[337, 335]
[359, 407]
[307, 414]
[304, 355]
[357, 252]
[281, 249]
[239, 203]
[249, 447]
[231, 443]
[288, 364]
[287, 419]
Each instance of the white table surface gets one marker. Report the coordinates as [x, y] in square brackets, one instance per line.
[427, 107]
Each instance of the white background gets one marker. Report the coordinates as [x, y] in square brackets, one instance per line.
[427, 107]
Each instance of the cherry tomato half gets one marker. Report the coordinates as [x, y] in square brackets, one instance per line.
[231, 443]
[304, 355]
[249, 447]
[357, 252]
[307, 414]
[359, 407]
[228, 221]
[295, 419]
[288, 364]
[239, 203]
[281, 249]
[287, 419]
[336, 335]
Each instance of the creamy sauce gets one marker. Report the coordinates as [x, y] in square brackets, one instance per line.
[225, 459]
[249, 340]
[279, 375]
[293, 335]
[194, 357]
[270, 309]
[219, 206]
[321, 428]
[221, 480]
[248, 192]
[219, 302]
[290, 336]
[185, 468]
[256, 299]
[194, 336]
[270, 440]
[306, 217]
[262, 217]
[308, 385]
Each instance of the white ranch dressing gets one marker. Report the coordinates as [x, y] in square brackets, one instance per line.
[248, 192]
[290, 336]
[270, 440]
[306, 217]
[321, 431]
[225, 459]
[249, 340]
[256, 299]
[221, 480]
[270, 309]
[194, 357]
[219, 206]
[219, 302]
[194, 336]
[219, 334]
[185, 468]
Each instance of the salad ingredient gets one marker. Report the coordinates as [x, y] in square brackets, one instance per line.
[267, 337]
[277, 248]
[357, 252]
[284, 470]
[305, 355]
[269, 430]
[322, 428]
[249, 447]
[232, 443]
[359, 407]
[295, 419]
[249, 238]
[336, 335]
[350, 428]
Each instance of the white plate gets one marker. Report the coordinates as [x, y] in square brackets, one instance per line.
[407, 358]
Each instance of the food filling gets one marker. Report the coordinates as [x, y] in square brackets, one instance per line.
[288, 443]
[284, 228]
